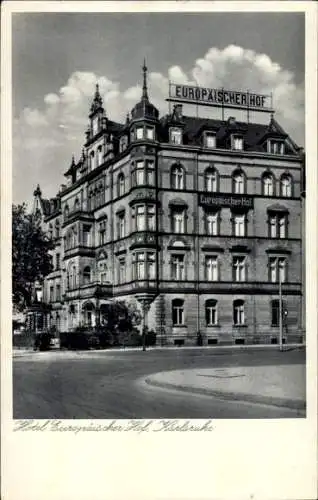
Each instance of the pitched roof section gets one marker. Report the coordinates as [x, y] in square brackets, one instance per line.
[254, 134]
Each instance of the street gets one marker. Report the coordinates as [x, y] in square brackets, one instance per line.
[108, 385]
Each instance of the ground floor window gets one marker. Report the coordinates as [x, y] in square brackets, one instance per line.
[177, 312]
[211, 313]
[238, 312]
[275, 311]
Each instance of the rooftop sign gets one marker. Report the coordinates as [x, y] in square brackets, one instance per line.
[219, 97]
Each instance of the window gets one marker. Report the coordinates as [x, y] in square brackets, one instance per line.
[140, 173]
[286, 186]
[57, 229]
[57, 261]
[86, 275]
[238, 181]
[58, 292]
[176, 136]
[92, 160]
[211, 180]
[122, 270]
[66, 212]
[211, 268]
[275, 311]
[102, 232]
[211, 223]
[239, 224]
[211, 312]
[123, 143]
[268, 185]
[276, 147]
[150, 173]
[177, 312]
[277, 225]
[50, 231]
[103, 271]
[121, 225]
[150, 133]
[177, 177]
[210, 140]
[237, 142]
[277, 269]
[238, 312]
[76, 205]
[177, 267]
[144, 217]
[99, 155]
[140, 218]
[239, 268]
[139, 133]
[120, 184]
[86, 236]
[144, 265]
[51, 293]
[178, 216]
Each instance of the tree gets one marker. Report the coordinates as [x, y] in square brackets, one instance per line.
[31, 260]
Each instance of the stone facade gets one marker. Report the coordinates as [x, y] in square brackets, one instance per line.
[154, 213]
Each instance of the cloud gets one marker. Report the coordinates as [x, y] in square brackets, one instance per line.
[45, 138]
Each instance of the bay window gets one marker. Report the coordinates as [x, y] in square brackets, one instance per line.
[144, 217]
[144, 265]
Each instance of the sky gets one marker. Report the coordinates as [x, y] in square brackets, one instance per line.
[57, 58]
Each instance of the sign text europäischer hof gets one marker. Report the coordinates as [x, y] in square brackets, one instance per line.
[218, 97]
[225, 200]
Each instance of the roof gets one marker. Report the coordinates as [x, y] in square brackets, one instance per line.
[254, 134]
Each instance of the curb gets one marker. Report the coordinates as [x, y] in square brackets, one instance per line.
[234, 396]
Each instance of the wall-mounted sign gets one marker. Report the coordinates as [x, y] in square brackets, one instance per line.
[219, 97]
[225, 200]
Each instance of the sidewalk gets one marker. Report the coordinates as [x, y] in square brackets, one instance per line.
[282, 386]
[18, 352]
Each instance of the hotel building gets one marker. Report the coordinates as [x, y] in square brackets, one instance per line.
[193, 219]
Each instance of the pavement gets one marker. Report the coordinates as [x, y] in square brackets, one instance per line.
[283, 386]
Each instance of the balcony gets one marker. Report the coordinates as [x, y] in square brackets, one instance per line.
[79, 250]
[143, 239]
[89, 290]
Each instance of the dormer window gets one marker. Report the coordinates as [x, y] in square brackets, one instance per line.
[275, 147]
[237, 142]
[176, 135]
[210, 140]
[139, 133]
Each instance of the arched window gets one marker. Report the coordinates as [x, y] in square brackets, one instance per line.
[286, 185]
[177, 312]
[76, 205]
[268, 184]
[89, 314]
[238, 312]
[211, 312]
[86, 275]
[66, 212]
[211, 180]
[92, 160]
[177, 177]
[57, 229]
[120, 184]
[99, 155]
[238, 182]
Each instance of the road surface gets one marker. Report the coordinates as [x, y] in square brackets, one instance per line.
[109, 385]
